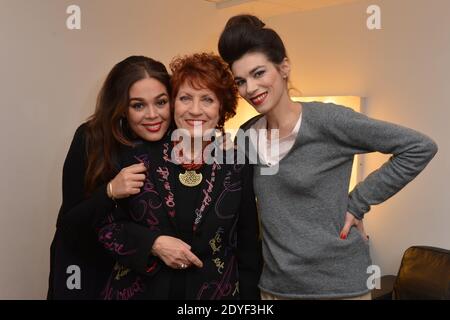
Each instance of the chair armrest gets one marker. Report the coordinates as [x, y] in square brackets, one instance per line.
[386, 288]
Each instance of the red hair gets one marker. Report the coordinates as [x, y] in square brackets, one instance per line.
[207, 70]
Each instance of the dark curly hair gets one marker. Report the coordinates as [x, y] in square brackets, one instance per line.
[207, 70]
[247, 34]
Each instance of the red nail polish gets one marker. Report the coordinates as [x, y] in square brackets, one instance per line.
[343, 236]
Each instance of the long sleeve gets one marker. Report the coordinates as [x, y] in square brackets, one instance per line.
[78, 214]
[80, 217]
[129, 242]
[411, 152]
[249, 253]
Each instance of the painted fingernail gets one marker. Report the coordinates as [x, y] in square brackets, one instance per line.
[343, 236]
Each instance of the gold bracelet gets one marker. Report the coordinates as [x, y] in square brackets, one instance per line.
[110, 191]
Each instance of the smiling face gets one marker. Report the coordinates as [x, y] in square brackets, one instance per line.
[260, 82]
[148, 109]
[196, 109]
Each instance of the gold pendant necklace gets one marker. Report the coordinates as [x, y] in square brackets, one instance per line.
[190, 178]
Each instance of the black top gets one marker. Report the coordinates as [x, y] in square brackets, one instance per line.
[75, 241]
[226, 237]
[187, 198]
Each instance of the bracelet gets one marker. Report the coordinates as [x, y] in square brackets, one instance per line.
[109, 191]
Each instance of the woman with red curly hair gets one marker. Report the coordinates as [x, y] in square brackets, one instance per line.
[201, 238]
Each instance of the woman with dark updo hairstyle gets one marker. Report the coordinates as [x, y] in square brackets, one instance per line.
[314, 243]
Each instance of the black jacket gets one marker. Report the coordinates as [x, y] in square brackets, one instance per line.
[75, 241]
[226, 236]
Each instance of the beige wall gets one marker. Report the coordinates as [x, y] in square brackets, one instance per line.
[403, 70]
[50, 77]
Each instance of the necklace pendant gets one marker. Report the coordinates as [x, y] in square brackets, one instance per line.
[190, 178]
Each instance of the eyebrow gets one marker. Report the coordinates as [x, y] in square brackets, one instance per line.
[251, 71]
[208, 94]
[142, 99]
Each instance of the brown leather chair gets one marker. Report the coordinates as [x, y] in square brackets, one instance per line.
[424, 274]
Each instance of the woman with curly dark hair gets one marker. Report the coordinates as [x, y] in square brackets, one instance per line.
[202, 235]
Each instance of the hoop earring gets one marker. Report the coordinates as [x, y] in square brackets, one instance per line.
[121, 121]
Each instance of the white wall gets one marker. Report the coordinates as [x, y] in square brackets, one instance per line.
[50, 77]
[404, 71]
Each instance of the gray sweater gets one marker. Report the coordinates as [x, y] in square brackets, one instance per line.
[302, 207]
